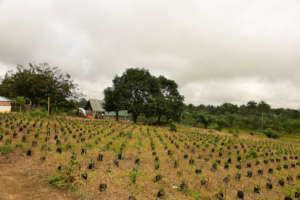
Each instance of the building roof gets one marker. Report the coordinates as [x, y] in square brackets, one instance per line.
[97, 105]
[4, 99]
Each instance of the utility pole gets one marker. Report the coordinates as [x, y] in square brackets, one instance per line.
[48, 105]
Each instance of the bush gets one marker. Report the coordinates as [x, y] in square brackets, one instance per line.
[173, 127]
[215, 126]
[271, 133]
[38, 113]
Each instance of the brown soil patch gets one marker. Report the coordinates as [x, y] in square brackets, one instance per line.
[17, 182]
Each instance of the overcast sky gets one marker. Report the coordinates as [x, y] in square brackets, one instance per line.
[217, 51]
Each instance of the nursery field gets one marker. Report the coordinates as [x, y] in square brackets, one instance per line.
[97, 159]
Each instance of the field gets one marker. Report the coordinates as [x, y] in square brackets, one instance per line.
[97, 159]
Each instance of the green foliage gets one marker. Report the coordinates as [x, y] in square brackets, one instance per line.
[271, 133]
[37, 82]
[167, 102]
[139, 92]
[133, 175]
[203, 118]
[215, 126]
[65, 178]
[252, 154]
[61, 181]
[20, 100]
[250, 117]
[173, 127]
[4, 149]
[38, 113]
[132, 91]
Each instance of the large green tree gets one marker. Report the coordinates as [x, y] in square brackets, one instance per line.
[133, 90]
[142, 93]
[168, 102]
[38, 82]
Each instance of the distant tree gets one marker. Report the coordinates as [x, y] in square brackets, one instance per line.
[38, 82]
[221, 122]
[291, 126]
[263, 107]
[231, 119]
[20, 100]
[251, 105]
[203, 118]
[228, 108]
[82, 102]
[190, 107]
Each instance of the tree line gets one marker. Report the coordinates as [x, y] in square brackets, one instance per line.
[253, 116]
[144, 95]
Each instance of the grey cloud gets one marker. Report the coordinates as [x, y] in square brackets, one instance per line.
[217, 51]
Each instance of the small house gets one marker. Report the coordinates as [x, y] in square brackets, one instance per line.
[5, 104]
[95, 108]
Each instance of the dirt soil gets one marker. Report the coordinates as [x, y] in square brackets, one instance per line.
[17, 182]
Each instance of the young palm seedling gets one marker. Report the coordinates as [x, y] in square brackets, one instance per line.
[240, 194]
[256, 189]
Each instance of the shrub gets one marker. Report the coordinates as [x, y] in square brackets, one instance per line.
[271, 133]
[257, 189]
[173, 127]
[38, 113]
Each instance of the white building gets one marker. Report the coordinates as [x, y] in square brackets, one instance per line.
[5, 104]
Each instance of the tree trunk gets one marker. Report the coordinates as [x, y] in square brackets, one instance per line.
[134, 117]
[158, 119]
[117, 115]
[205, 125]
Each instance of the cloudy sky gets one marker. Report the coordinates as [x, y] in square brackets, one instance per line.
[217, 51]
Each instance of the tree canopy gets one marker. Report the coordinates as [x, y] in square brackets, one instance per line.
[167, 102]
[139, 92]
[38, 82]
[254, 116]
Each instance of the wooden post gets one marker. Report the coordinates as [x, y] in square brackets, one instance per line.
[48, 105]
[262, 120]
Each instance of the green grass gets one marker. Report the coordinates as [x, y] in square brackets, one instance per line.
[5, 149]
